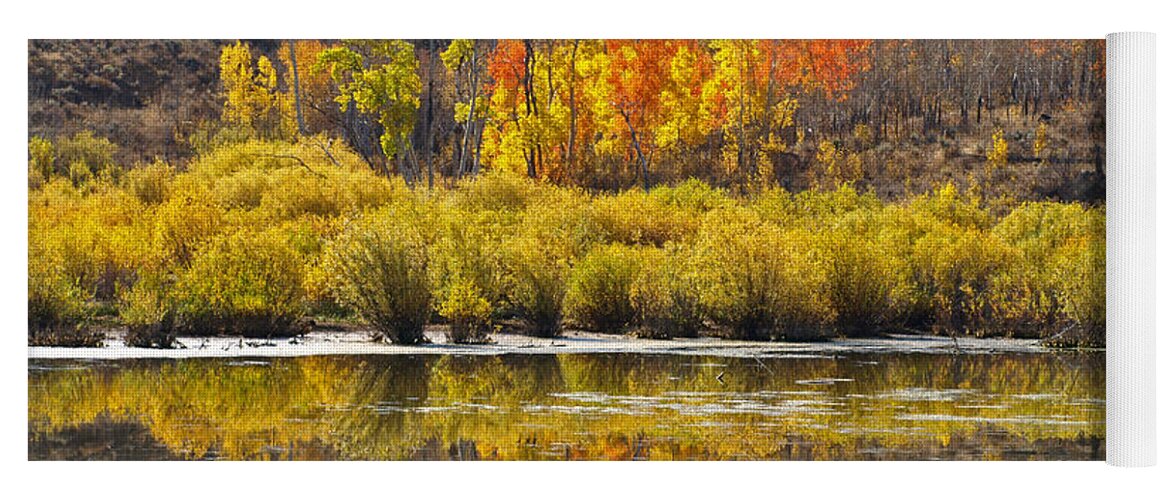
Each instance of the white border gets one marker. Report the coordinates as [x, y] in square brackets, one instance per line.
[491, 18]
[1130, 240]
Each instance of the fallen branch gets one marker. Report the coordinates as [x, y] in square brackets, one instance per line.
[299, 160]
[325, 149]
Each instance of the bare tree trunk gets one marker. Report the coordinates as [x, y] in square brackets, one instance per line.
[470, 121]
[646, 182]
[532, 155]
[429, 117]
[296, 86]
[479, 142]
[572, 106]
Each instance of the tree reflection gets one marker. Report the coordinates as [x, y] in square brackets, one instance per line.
[579, 406]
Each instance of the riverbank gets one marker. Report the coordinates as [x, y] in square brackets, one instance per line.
[573, 342]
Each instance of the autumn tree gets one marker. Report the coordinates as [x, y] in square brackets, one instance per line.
[686, 120]
[467, 61]
[380, 78]
[251, 95]
[638, 71]
[308, 88]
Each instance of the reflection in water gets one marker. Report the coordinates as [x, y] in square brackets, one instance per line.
[584, 406]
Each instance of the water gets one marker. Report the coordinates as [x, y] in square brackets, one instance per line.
[1010, 406]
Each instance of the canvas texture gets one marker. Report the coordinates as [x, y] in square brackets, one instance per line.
[567, 249]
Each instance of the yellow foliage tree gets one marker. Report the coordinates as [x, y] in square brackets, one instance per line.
[251, 96]
[998, 153]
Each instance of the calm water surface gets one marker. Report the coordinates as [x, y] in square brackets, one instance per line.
[1037, 406]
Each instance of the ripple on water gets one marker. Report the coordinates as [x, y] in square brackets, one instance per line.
[823, 381]
[1028, 420]
[926, 394]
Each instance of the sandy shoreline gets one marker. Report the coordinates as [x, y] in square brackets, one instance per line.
[337, 343]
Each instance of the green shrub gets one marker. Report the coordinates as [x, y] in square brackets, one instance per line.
[665, 295]
[243, 283]
[380, 266]
[760, 282]
[598, 291]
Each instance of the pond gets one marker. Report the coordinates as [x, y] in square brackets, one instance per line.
[609, 406]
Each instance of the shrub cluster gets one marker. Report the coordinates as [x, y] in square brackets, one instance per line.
[254, 235]
[380, 264]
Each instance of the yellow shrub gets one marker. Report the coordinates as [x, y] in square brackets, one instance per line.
[948, 205]
[838, 166]
[182, 224]
[40, 161]
[148, 312]
[536, 271]
[497, 189]
[551, 233]
[665, 295]
[250, 217]
[822, 207]
[54, 301]
[1041, 141]
[997, 156]
[862, 279]
[242, 283]
[1048, 235]
[466, 269]
[84, 158]
[636, 217]
[760, 282]
[79, 173]
[1083, 294]
[468, 311]
[244, 189]
[1079, 269]
[958, 269]
[692, 196]
[380, 269]
[95, 240]
[598, 291]
[150, 183]
[560, 217]
[296, 191]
